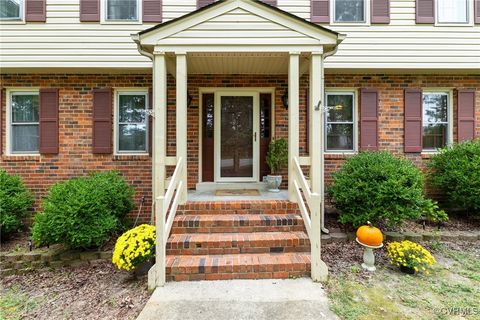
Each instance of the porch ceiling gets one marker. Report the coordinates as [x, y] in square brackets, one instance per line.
[240, 63]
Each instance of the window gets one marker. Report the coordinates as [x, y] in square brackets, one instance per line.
[24, 122]
[435, 120]
[340, 120]
[11, 9]
[452, 11]
[349, 10]
[122, 10]
[132, 122]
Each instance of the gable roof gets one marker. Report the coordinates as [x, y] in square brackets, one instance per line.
[238, 23]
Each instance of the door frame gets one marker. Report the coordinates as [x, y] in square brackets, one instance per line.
[218, 138]
[216, 91]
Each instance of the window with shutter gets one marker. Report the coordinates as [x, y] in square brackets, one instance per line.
[349, 10]
[102, 121]
[435, 114]
[23, 122]
[11, 9]
[340, 122]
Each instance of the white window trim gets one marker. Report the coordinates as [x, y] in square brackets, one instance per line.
[470, 16]
[339, 91]
[450, 123]
[104, 20]
[129, 91]
[20, 20]
[8, 113]
[351, 23]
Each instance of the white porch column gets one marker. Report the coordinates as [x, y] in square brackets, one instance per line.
[159, 144]
[181, 117]
[293, 118]
[319, 268]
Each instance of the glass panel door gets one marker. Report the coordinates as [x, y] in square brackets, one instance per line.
[237, 137]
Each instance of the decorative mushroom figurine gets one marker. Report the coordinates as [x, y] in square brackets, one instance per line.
[370, 238]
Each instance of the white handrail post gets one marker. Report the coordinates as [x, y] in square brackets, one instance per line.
[160, 248]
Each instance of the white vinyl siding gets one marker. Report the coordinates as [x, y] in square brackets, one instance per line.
[64, 42]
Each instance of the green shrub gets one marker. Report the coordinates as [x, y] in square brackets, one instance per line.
[377, 187]
[15, 200]
[456, 170]
[277, 155]
[83, 212]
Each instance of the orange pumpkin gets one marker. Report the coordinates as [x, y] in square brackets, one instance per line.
[370, 235]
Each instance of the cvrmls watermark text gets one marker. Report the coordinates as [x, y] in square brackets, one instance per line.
[458, 311]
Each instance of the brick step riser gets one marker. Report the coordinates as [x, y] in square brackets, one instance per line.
[247, 229]
[236, 276]
[238, 250]
[238, 211]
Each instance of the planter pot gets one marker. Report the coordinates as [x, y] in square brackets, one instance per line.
[142, 268]
[407, 270]
[273, 182]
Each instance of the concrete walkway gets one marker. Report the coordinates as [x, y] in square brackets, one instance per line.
[238, 299]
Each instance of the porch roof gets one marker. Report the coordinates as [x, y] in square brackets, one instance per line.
[237, 26]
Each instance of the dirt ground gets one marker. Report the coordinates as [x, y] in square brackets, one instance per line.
[86, 292]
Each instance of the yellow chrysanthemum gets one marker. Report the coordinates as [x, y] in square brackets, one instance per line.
[134, 246]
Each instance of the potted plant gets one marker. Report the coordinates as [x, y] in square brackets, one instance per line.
[135, 250]
[277, 159]
[410, 257]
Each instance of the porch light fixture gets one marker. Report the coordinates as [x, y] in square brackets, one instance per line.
[189, 100]
[285, 99]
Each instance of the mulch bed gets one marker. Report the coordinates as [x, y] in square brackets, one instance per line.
[86, 292]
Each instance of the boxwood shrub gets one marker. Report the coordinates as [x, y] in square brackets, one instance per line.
[15, 200]
[378, 187]
[456, 171]
[83, 212]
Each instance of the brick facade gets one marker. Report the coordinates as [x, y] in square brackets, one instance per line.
[75, 122]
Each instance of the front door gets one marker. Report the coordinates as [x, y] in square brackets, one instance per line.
[236, 136]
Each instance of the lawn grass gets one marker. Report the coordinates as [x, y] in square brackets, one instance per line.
[14, 303]
[388, 294]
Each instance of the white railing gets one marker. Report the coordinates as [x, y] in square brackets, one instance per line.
[310, 208]
[165, 210]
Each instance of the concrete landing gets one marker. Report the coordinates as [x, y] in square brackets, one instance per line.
[296, 299]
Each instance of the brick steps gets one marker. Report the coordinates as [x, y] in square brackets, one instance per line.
[233, 243]
[224, 223]
[216, 240]
[238, 266]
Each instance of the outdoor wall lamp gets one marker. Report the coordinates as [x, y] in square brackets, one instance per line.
[285, 99]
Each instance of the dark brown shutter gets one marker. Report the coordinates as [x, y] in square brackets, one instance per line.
[203, 3]
[369, 119]
[477, 11]
[425, 11]
[150, 122]
[102, 121]
[380, 10]
[35, 11]
[320, 11]
[48, 121]
[89, 10]
[413, 120]
[466, 114]
[273, 3]
[152, 10]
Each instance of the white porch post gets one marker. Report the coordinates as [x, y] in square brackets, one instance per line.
[319, 268]
[159, 144]
[293, 119]
[181, 117]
